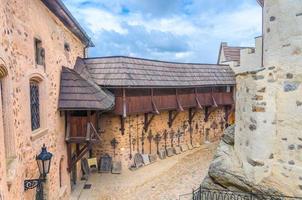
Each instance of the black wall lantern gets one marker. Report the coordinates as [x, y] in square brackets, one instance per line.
[43, 162]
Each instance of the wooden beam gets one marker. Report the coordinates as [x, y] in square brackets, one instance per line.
[88, 132]
[69, 154]
[172, 117]
[148, 121]
[192, 114]
[208, 110]
[124, 103]
[179, 106]
[197, 100]
[67, 138]
[82, 152]
[214, 101]
[154, 107]
[122, 129]
[227, 112]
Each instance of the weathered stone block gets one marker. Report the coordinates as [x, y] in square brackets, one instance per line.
[153, 158]
[177, 150]
[116, 167]
[257, 98]
[258, 109]
[184, 147]
[290, 86]
[291, 147]
[138, 160]
[196, 145]
[289, 76]
[258, 77]
[252, 127]
[170, 152]
[255, 162]
[146, 159]
[272, 18]
[162, 154]
[262, 90]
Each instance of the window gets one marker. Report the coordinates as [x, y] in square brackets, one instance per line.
[34, 105]
[39, 52]
[66, 47]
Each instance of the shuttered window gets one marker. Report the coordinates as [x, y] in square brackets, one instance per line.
[34, 105]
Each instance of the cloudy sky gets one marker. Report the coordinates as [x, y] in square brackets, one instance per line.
[172, 30]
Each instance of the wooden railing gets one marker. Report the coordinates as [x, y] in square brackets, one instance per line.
[83, 142]
[90, 136]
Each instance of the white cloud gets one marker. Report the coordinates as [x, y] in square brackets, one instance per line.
[202, 31]
[98, 20]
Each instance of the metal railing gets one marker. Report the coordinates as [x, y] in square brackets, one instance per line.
[206, 194]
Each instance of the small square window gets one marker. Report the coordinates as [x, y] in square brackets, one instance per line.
[39, 52]
[66, 46]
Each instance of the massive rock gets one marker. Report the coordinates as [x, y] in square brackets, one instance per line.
[226, 171]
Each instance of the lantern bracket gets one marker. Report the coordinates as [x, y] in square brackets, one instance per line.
[32, 183]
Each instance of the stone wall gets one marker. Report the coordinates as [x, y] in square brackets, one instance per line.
[251, 58]
[20, 22]
[268, 124]
[110, 125]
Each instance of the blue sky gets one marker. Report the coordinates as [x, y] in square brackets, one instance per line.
[172, 30]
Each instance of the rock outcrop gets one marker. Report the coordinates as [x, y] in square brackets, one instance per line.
[226, 171]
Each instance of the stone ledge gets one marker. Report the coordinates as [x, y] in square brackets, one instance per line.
[38, 134]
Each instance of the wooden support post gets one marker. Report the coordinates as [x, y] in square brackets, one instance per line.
[154, 107]
[226, 113]
[191, 115]
[208, 111]
[213, 99]
[124, 103]
[206, 114]
[69, 154]
[122, 129]
[179, 106]
[148, 121]
[172, 117]
[97, 121]
[197, 100]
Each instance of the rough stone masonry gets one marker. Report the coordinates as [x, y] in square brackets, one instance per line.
[267, 147]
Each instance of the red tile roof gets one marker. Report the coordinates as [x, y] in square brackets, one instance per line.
[232, 53]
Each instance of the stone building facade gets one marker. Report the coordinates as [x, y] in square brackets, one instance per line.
[26, 27]
[131, 142]
[266, 157]
[268, 131]
[144, 106]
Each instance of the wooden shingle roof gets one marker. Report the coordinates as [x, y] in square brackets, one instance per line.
[123, 71]
[77, 93]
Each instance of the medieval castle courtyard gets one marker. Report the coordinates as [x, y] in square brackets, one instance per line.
[150, 99]
[169, 179]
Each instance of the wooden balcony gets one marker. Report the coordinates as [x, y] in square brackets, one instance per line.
[81, 134]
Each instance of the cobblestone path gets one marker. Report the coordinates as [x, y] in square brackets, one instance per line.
[163, 180]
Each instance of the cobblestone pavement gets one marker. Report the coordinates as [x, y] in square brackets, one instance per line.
[163, 180]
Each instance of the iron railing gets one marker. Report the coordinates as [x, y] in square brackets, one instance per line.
[206, 194]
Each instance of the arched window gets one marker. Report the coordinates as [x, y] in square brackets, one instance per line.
[35, 103]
